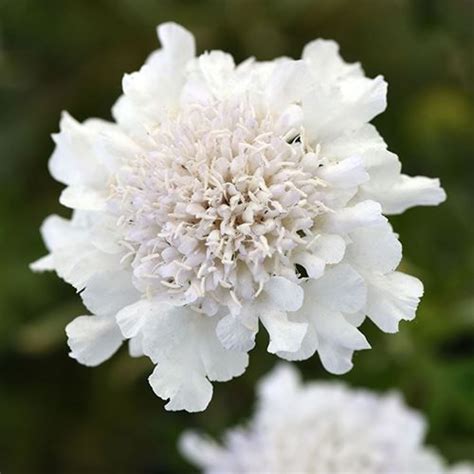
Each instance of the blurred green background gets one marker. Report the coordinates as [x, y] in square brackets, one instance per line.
[59, 417]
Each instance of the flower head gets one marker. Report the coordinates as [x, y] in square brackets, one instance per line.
[324, 428]
[225, 197]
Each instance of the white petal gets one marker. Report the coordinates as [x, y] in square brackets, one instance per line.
[363, 214]
[188, 353]
[285, 335]
[114, 147]
[329, 247]
[410, 191]
[313, 265]
[74, 161]
[397, 192]
[93, 339]
[335, 330]
[375, 248]
[329, 112]
[383, 167]
[105, 236]
[356, 319]
[74, 257]
[335, 359]
[309, 345]
[233, 335]
[133, 119]
[108, 292]
[58, 232]
[363, 141]
[284, 294]
[346, 173]
[326, 64]
[217, 69]
[135, 346]
[289, 82]
[368, 98]
[392, 298]
[186, 389]
[290, 119]
[77, 264]
[132, 318]
[340, 289]
[44, 264]
[81, 197]
[220, 364]
[155, 89]
[178, 42]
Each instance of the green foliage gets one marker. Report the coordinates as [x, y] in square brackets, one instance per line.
[57, 416]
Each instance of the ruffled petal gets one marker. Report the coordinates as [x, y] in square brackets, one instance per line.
[132, 318]
[356, 319]
[313, 265]
[74, 161]
[93, 339]
[375, 248]
[73, 255]
[81, 197]
[346, 173]
[324, 249]
[334, 329]
[407, 192]
[220, 364]
[234, 335]
[283, 294]
[363, 214]
[330, 111]
[108, 292]
[186, 389]
[362, 141]
[58, 232]
[309, 344]
[335, 359]
[184, 345]
[135, 346]
[155, 89]
[177, 42]
[340, 289]
[43, 264]
[329, 247]
[326, 64]
[213, 75]
[383, 167]
[288, 83]
[285, 335]
[392, 298]
[396, 192]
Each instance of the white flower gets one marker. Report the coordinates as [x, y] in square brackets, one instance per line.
[227, 196]
[323, 428]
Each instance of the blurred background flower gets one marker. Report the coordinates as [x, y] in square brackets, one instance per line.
[57, 416]
[320, 427]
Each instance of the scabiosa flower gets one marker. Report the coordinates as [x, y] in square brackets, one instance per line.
[226, 197]
[324, 428]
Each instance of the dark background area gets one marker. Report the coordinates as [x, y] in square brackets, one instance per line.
[59, 417]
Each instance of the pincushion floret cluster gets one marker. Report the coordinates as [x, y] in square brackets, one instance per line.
[225, 198]
[321, 428]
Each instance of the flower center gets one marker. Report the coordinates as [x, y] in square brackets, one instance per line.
[218, 205]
